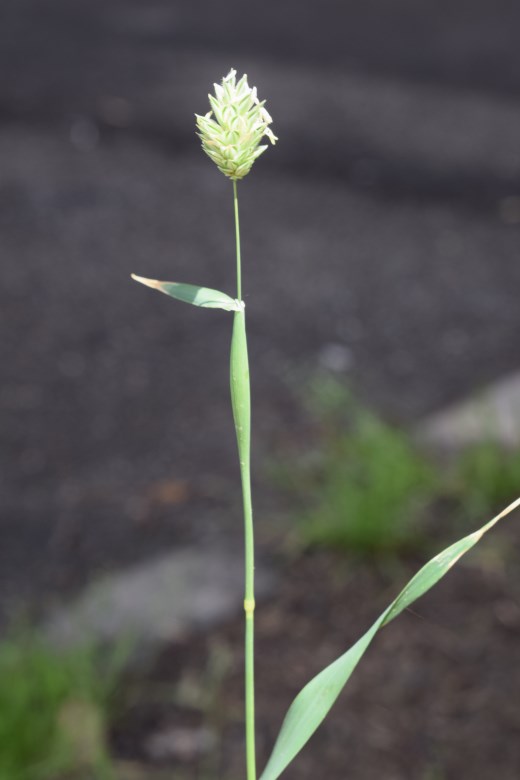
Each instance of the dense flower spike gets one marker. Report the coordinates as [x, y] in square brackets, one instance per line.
[232, 138]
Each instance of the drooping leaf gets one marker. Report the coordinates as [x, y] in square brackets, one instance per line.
[191, 293]
[315, 700]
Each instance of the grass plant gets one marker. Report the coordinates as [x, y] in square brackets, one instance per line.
[371, 488]
[364, 487]
[364, 490]
[231, 135]
[53, 711]
[485, 477]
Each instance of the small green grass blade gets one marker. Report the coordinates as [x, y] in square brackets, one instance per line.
[315, 700]
[191, 293]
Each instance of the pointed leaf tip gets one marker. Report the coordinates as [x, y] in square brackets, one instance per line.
[153, 283]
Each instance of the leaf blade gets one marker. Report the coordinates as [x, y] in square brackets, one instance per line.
[204, 297]
[314, 701]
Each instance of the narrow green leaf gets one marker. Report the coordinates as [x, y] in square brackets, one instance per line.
[190, 293]
[315, 700]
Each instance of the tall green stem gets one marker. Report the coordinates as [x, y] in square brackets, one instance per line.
[241, 401]
[237, 238]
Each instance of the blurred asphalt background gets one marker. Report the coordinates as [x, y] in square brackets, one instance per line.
[382, 233]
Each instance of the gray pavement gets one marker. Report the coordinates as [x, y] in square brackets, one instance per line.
[385, 224]
[158, 602]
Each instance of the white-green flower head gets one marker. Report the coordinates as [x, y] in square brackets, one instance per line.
[232, 138]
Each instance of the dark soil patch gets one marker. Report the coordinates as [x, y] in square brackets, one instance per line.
[435, 697]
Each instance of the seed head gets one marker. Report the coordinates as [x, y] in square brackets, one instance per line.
[232, 138]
